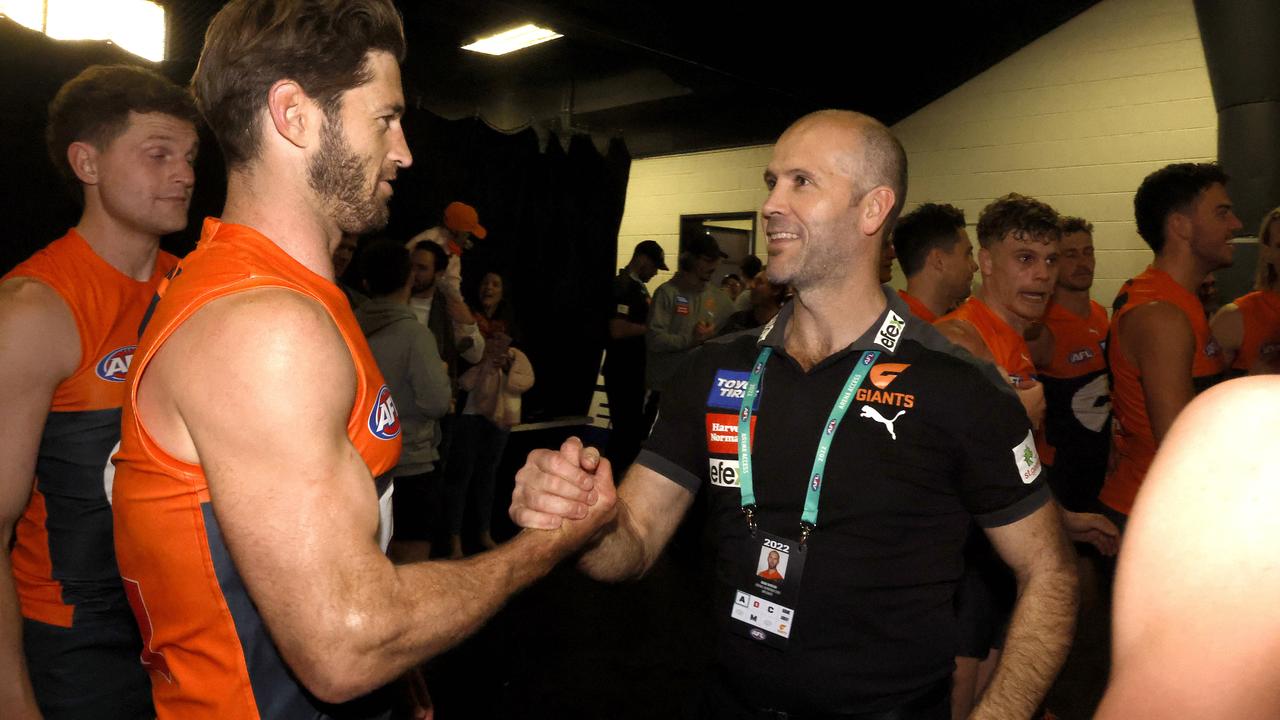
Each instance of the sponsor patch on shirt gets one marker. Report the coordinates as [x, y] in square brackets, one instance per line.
[1080, 356]
[623, 309]
[1027, 459]
[722, 433]
[114, 366]
[682, 305]
[723, 473]
[728, 389]
[384, 420]
[890, 331]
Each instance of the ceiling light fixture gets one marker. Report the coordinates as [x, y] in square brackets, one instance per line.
[135, 25]
[512, 40]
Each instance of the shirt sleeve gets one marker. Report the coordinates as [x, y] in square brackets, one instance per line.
[676, 447]
[659, 337]
[1001, 476]
[475, 349]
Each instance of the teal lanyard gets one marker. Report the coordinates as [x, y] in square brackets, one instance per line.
[809, 518]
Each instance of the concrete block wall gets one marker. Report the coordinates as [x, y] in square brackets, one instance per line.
[1076, 118]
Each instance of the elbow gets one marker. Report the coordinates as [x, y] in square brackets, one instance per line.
[339, 663]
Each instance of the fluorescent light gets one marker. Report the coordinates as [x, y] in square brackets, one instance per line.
[135, 25]
[516, 39]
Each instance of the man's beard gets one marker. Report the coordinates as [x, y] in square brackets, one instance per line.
[339, 177]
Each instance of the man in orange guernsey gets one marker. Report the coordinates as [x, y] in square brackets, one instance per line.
[250, 487]
[1248, 330]
[1019, 250]
[937, 257]
[1068, 350]
[125, 139]
[1160, 349]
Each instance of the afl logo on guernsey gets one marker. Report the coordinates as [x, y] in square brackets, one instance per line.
[384, 421]
[114, 366]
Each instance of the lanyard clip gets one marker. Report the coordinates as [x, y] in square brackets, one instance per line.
[806, 529]
[750, 512]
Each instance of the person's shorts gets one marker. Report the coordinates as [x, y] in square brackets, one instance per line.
[415, 507]
[91, 670]
[984, 600]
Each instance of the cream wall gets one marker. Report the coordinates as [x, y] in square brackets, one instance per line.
[1076, 118]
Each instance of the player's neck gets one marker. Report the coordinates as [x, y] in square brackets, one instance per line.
[829, 318]
[286, 215]
[1075, 301]
[1010, 318]
[1183, 266]
[929, 294]
[131, 251]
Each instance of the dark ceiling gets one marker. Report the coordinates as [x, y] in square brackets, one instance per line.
[680, 76]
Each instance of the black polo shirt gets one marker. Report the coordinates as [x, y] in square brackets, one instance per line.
[624, 357]
[874, 622]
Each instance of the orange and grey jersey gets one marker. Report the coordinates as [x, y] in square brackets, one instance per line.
[1260, 313]
[209, 652]
[63, 563]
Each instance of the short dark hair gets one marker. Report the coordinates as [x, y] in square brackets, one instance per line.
[1167, 190]
[730, 276]
[751, 266]
[1026, 217]
[321, 44]
[437, 252]
[385, 267]
[94, 107]
[932, 225]
[1068, 224]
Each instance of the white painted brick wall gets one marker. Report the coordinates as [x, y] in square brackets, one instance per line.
[1076, 118]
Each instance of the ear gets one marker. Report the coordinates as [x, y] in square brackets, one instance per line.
[1178, 224]
[293, 115]
[83, 159]
[934, 259]
[876, 206]
[986, 265]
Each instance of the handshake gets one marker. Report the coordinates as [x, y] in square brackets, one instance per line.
[569, 491]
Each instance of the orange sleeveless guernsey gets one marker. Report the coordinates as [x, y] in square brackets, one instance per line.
[64, 566]
[1007, 348]
[1260, 311]
[208, 651]
[1133, 445]
[917, 308]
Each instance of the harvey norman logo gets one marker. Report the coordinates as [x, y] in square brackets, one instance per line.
[728, 389]
[890, 331]
[722, 434]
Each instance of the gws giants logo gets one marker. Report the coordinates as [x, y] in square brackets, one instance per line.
[890, 331]
[114, 366]
[882, 375]
[384, 420]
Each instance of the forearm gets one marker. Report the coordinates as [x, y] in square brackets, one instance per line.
[1036, 645]
[659, 340]
[15, 684]
[618, 553]
[475, 352]
[424, 609]
[619, 328]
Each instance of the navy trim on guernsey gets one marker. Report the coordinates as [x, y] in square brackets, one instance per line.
[277, 693]
[934, 440]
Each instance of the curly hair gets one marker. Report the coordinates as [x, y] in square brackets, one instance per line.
[1026, 218]
[932, 225]
[1170, 189]
[94, 107]
[1069, 224]
[323, 45]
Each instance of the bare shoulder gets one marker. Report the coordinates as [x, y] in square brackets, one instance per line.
[1227, 325]
[37, 328]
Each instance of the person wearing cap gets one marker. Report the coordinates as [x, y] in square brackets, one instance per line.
[461, 223]
[624, 352]
[686, 310]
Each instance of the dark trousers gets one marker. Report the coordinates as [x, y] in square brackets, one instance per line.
[719, 702]
[474, 457]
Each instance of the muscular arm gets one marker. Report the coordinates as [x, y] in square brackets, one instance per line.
[298, 509]
[1227, 327]
[1196, 631]
[39, 347]
[551, 486]
[1043, 621]
[1159, 341]
[965, 335]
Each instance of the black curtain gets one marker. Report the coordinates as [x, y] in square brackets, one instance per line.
[552, 214]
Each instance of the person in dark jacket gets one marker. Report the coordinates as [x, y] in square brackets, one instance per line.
[419, 382]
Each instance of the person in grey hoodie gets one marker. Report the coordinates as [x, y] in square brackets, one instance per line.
[410, 362]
